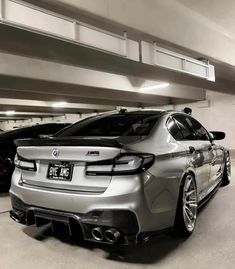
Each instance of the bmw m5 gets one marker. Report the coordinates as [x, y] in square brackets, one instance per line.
[120, 177]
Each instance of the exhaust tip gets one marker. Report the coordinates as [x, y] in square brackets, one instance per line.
[97, 234]
[17, 216]
[112, 235]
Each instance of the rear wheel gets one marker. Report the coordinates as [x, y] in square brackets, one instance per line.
[186, 214]
[227, 170]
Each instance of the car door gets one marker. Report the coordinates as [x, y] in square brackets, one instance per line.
[217, 164]
[214, 151]
[199, 148]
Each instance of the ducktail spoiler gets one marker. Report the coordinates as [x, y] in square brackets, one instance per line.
[68, 142]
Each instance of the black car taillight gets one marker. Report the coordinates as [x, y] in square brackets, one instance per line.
[25, 164]
[123, 164]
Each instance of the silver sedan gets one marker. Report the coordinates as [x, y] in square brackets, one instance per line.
[120, 177]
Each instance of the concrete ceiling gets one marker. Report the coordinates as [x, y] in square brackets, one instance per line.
[201, 28]
[38, 70]
[220, 13]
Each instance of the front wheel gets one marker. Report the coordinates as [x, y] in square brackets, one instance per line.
[186, 214]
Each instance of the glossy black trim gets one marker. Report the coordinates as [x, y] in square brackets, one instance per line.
[218, 135]
[209, 195]
[69, 141]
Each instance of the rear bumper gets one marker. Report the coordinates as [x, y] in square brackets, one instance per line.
[123, 221]
[124, 194]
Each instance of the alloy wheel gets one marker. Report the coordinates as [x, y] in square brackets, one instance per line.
[228, 166]
[190, 203]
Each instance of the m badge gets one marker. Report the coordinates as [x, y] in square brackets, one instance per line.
[93, 153]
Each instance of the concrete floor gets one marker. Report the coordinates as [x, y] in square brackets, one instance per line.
[211, 246]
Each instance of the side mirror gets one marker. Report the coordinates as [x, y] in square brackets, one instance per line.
[217, 135]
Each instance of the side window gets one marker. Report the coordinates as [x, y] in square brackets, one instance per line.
[200, 132]
[185, 127]
[174, 129]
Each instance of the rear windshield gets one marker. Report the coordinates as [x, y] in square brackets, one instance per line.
[114, 125]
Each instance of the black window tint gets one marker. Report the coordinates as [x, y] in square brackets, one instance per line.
[186, 129]
[200, 131]
[130, 124]
[174, 129]
[49, 129]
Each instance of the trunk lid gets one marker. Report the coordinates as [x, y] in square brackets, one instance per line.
[74, 152]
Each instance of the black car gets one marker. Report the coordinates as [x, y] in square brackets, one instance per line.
[8, 148]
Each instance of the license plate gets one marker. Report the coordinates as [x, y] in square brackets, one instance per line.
[62, 172]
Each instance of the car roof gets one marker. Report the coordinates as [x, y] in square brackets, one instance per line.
[142, 111]
[134, 112]
[18, 131]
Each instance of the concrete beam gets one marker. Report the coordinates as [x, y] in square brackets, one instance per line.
[23, 105]
[9, 91]
[186, 21]
[32, 114]
[15, 86]
[71, 77]
[33, 45]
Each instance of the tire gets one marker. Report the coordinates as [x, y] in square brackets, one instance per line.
[186, 213]
[227, 170]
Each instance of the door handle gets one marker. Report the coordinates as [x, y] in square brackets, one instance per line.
[213, 162]
[210, 148]
[191, 149]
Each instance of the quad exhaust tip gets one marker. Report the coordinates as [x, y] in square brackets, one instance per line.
[17, 216]
[98, 234]
[112, 235]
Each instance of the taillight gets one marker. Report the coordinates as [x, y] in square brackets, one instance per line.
[25, 164]
[123, 164]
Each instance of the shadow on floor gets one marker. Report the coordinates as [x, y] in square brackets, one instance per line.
[148, 253]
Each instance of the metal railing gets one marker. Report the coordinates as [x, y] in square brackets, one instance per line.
[183, 62]
[75, 25]
[15, 12]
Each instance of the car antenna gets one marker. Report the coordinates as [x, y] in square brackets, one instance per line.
[122, 110]
[188, 110]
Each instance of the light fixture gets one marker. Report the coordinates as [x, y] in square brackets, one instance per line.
[59, 104]
[154, 87]
[10, 112]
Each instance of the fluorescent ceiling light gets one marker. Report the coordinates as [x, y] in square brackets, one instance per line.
[10, 112]
[154, 87]
[59, 104]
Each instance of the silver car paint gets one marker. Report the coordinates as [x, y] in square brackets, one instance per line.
[152, 196]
